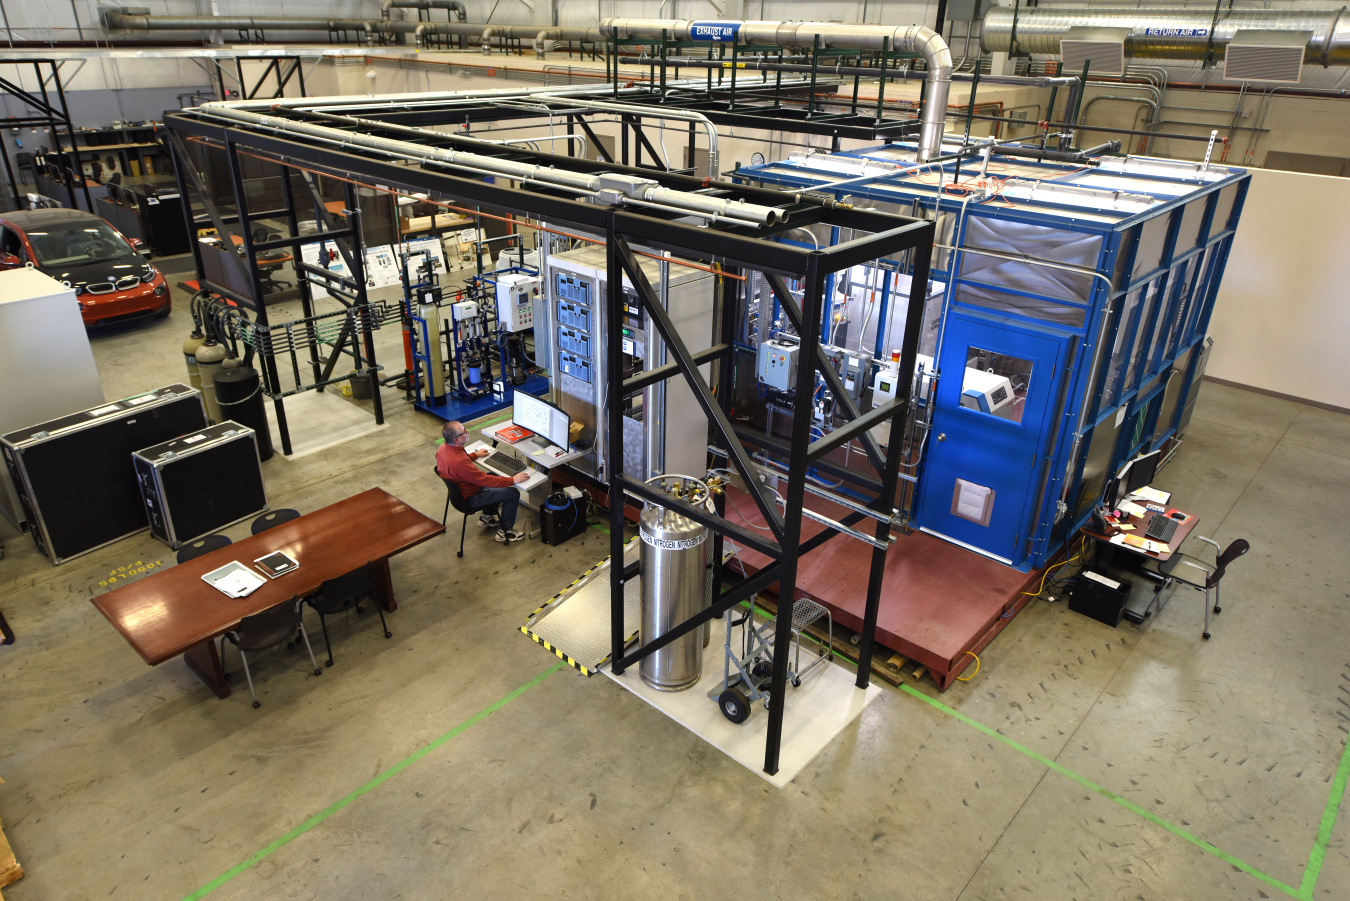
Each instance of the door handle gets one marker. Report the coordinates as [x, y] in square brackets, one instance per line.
[942, 436]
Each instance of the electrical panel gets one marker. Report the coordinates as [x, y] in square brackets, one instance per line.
[571, 288]
[573, 342]
[856, 374]
[577, 368]
[777, 365]
[515, 301]
[573, 316]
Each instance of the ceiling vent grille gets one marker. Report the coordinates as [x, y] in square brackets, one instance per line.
[1103, 47]
[1271, 56]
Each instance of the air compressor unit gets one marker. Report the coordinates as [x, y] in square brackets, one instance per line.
[200, 483]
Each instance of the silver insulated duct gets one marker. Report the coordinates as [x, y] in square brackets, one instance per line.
[907, 38]
[1167, 34]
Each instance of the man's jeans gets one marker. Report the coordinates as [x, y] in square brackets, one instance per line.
[489, 499]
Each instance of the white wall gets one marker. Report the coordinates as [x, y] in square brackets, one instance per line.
[1282, 318]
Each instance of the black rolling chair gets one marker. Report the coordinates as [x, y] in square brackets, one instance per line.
[265, 630]
[270, 262]
[202, 546]
[455, 498]
[116, 178]
[344, 593]
[274, 518]
[1200, 575]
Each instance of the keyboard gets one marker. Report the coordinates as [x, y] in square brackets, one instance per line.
[505, 463]
[1161, 527]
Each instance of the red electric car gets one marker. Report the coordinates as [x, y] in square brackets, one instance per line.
[112, 281]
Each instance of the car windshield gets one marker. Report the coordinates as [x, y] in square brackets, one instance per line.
[75, 243]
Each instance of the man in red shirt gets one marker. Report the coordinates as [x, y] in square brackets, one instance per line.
[496, 496]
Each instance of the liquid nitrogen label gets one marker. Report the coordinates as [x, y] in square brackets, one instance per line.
[673, 544]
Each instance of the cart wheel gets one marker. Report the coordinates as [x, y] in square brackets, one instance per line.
[734, 705]
[761, 669]
[796, 681]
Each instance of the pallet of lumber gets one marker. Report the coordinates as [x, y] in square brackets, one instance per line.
[10, 871]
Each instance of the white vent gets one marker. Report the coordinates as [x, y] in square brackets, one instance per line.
[1107, 58]
[1104, 47]
[1271, 56]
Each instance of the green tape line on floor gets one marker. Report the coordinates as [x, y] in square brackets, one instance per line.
[1319, 848]
[1304, 893]
[369, 786]
[1112, 796]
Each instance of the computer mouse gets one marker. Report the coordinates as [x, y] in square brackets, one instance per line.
[1178, 515]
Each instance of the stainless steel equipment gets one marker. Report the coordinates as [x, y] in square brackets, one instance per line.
[674, 571]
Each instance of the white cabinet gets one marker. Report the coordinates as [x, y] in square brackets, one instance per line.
[46, 365]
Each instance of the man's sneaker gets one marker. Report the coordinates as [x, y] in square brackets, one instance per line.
[506, 537]
[488, 521]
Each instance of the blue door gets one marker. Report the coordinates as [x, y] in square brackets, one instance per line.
[985, 455]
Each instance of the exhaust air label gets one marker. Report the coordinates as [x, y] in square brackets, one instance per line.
[714, 31]
[1176, 32]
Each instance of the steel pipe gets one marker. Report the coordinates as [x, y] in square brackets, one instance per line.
[1164, 33]
[454, 6]
[620, 189]
[910, 38]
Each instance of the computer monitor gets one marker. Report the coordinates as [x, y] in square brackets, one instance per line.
[542, 418]
[1142, 470]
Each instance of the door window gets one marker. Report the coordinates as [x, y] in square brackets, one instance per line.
[10, 243]
[996, 384]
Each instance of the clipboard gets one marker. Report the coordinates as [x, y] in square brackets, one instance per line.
[234, 580]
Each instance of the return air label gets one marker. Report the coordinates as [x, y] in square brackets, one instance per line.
[719, 32]
[1177, 32]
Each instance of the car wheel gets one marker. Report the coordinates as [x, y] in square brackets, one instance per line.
[164, 313]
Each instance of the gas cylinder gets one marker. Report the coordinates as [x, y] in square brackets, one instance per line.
[210, 360]
[673, 559]
[194, 341]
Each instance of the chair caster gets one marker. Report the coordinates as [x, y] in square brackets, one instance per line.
[1218, 610]
[328, 663]
[388, 634]
[257, 704]
[1206, 634]
[460, 554]
[290, 646]
[359, 610]
[318, 672]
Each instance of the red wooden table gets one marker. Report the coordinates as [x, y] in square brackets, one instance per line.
[174, 612]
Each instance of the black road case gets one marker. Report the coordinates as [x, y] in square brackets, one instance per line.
[74, 474]
[201, 483]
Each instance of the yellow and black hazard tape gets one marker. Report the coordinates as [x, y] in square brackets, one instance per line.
[525, 629]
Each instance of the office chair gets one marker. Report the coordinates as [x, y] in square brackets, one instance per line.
[344, 593]
[269, 261]
[1201, 575]
[116, 179]
[265, 630]
[274, 518]
[455, 498]
[96, 171]
[202, 546]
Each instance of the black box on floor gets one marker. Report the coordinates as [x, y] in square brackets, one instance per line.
[1101, 598]
[561, 517]
[74, 474]
[201, 483]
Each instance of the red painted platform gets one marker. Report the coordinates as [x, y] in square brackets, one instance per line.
[938, 600]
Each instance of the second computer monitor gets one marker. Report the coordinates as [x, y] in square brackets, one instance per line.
[542, 418]
[1142, 470]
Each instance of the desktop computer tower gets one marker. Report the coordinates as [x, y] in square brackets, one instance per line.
[561, 518]
[1100, 598]
[74, 475]
[201, 483]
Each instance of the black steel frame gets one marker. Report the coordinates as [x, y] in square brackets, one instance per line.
[54, 116]
[887, 236]
[735, 249]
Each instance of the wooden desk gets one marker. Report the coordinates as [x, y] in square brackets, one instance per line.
[1140, 523]
[174, 612]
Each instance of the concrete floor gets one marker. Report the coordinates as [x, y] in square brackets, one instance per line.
[128, 781]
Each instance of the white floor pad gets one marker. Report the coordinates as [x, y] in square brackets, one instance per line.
[319, 420]
[818, 711]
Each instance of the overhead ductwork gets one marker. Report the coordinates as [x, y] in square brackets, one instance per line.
[827, 35]
[122, 20]
[1166, 34]
[452, 5]
[617, 188]
[540, 36]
